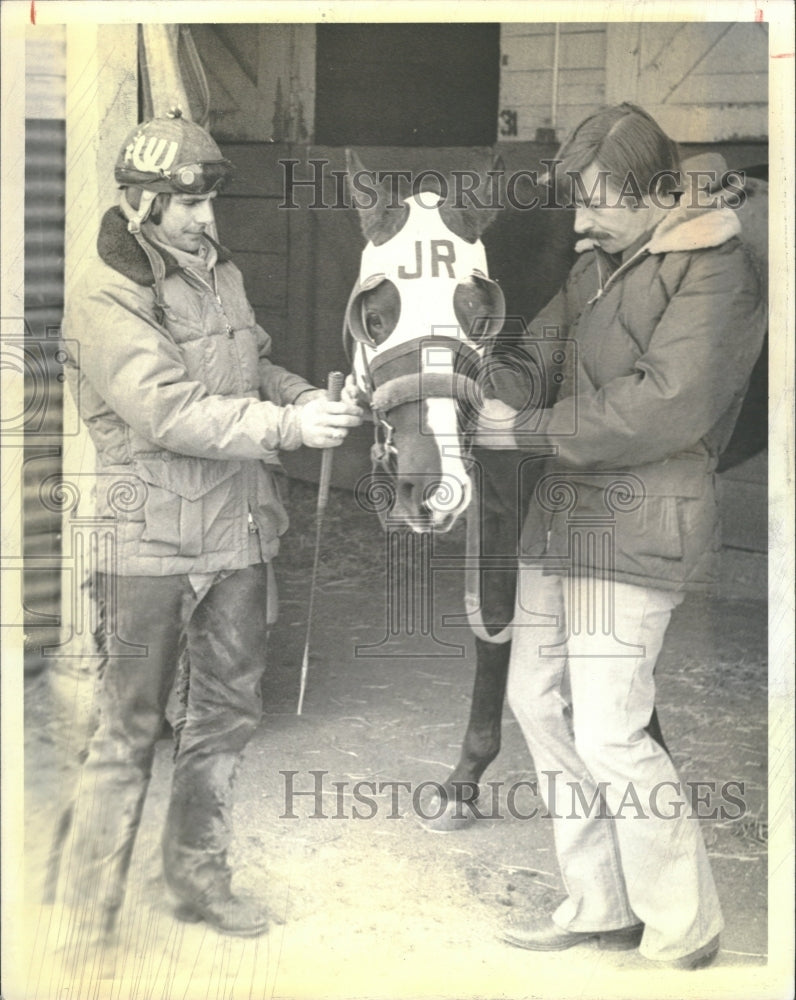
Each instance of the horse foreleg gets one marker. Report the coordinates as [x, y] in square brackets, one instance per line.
[453, 807]
[482, 740]
[481, 743]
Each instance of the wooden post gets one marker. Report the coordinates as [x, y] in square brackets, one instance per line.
[101, 108]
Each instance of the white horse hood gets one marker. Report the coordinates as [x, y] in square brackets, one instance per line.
[421, 305]
[426, 261]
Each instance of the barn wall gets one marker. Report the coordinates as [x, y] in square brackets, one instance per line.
[702, 82]
[261, 79]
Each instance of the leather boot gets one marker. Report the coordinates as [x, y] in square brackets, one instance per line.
[541, 934]
[224, 661]
[201, 881]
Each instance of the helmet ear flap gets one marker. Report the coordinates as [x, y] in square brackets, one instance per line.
[137, 216]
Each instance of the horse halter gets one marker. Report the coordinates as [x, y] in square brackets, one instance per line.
[405, 374]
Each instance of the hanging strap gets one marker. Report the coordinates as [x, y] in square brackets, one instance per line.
[472, 578]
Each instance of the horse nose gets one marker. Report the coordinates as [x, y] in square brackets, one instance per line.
[444, 499]
[431, 503]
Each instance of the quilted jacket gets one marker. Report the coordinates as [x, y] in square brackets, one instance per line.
[173, 379]
[661, 346]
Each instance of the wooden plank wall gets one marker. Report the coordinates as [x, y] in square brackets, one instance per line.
[703, 82]
[261, 79]
[526, 77]
[251, 224]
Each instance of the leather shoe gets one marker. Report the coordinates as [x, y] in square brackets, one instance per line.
[541, 934]
[239, 916]
[699, 959]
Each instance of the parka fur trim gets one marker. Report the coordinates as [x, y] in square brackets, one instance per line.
[119, 249]
[681, 230]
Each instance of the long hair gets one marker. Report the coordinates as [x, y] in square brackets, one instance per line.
[626, 142]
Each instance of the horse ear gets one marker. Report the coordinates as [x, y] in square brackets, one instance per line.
[486, 216]
[377, 219]
[471, 224]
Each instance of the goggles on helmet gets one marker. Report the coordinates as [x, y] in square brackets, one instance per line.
[198, 178]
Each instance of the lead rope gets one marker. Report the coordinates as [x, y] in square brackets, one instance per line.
[472, 578]
[472, 573]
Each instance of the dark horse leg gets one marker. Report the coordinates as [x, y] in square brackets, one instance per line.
[481, 743]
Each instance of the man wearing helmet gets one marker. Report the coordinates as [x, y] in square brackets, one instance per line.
[188, 414]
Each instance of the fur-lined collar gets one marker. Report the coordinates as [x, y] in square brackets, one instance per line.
[680, 231]
[120, 250]
[683, 229]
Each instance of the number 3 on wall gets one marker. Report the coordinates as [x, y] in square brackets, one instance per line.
[508, 122]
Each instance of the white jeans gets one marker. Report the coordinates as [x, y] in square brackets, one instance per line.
[581, 686]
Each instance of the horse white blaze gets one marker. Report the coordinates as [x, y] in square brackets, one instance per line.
[452, 495]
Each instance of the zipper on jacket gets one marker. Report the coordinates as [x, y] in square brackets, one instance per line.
[230, 331]
[641, 252]
[212, 287]
[253, 529]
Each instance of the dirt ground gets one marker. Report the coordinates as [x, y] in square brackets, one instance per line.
[378, 907]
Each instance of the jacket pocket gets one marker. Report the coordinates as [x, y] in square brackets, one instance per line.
[674, 495]
[268, 509]
[658, 528]
[177, 496]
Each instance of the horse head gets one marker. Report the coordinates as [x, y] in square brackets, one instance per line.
[419, 317]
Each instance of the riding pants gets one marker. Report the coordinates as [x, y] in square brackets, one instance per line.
[148, 625]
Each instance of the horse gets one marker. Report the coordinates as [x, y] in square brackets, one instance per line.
[426, 325]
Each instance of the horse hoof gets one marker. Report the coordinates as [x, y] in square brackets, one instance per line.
[444, 815]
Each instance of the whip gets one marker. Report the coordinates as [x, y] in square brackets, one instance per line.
[334, 387]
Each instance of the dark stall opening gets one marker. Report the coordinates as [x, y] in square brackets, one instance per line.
[407, 84]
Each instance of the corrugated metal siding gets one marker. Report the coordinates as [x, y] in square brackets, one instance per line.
[45, 156]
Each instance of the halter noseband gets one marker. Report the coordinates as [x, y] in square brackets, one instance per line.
[397, 377]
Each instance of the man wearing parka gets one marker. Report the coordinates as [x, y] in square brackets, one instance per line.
[173, 379]
[657, 330]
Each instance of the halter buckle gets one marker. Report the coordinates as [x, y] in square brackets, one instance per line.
[383, 453]
[387, 446]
